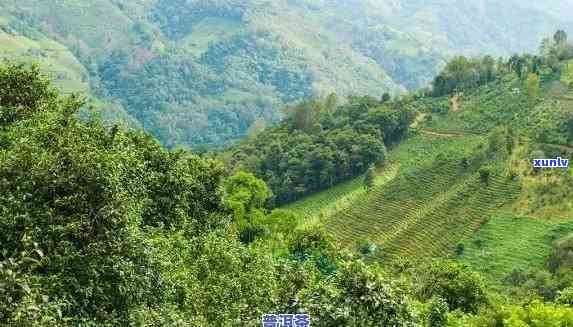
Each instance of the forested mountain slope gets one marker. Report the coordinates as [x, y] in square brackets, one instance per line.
[203, 72]
[462, 185]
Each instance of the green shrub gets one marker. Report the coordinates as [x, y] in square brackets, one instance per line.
[460, 287]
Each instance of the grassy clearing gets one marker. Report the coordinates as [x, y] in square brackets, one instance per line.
[209, 31]
[508, 242]
[55, 60]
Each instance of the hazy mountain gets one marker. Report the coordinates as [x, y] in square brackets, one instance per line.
[203, 71]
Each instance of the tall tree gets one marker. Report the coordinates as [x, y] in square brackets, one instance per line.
[369, 178]
[560, 37]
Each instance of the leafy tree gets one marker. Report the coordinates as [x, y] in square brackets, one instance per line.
[246, 196]
[560, 37]
[244, 193]
[534, 313]
[386, 97]
[565, 297]
[460, 287]
[359, 295]
[539, 314]
[437, 315]
[23, 92]
[305, 243]
[562, 255]
[304, 115]
[369, 178]
[484, 174]
[460, 248]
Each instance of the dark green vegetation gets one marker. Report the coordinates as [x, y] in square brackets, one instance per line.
[104, 227]
[201, 73]
[321, 144]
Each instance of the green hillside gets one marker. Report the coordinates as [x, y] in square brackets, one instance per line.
[55, 59]
[432, 203]
[411, 212]
[460, 183]
[201, 73]
[509, 243]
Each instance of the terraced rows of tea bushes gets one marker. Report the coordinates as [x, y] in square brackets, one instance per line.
[388, 210]
[403, 158]
[436, 199]
[325, 203]
[454, 217]
[315, 203]
[507, 242]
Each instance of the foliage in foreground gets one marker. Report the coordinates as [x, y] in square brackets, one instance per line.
[104, 227]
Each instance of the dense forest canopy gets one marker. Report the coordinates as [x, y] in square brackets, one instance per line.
[321, 143]
[463, 74]
[202, 73]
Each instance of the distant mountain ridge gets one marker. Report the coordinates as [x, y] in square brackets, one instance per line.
[197, 72]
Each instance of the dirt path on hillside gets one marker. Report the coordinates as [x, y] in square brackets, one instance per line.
[419, 119]
[455, 101]
[442, 134]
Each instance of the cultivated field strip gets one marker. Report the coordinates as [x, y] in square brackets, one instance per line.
[326, 203]
[454, 219]
[508, 242]
[391, 208]
[427, 210]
